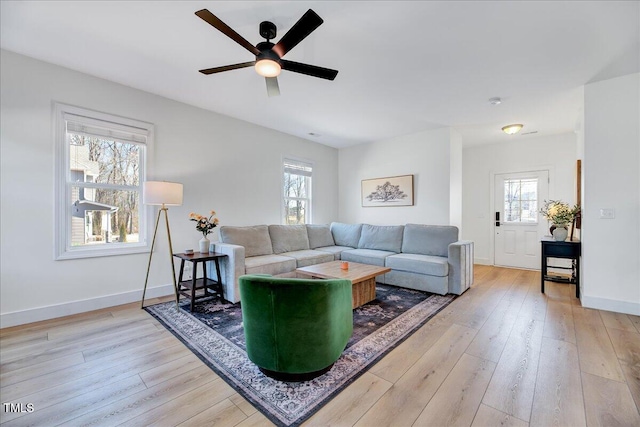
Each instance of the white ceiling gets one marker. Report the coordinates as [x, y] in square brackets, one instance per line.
[404, 67]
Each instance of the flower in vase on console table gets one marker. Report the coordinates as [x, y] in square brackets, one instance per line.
[560, 215]
[205, 225]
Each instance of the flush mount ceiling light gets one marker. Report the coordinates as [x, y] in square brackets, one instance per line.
[495, 101]
[512, 129]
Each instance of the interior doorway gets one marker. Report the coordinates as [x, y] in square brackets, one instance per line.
[517, 226]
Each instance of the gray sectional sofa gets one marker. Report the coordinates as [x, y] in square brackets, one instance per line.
[424, 257]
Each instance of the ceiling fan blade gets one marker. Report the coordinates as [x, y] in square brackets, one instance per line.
[301, 29]
[227, 67]
[209, 17]
[310, 70]
[272, 86]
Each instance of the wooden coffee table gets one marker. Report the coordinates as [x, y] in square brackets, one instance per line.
[362, 276]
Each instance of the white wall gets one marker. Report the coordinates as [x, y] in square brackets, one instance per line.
[424, 154]
[556, 153]
[225, 164]
[455, 180]
[611, 247]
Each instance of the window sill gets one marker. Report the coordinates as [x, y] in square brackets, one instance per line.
[101, 252]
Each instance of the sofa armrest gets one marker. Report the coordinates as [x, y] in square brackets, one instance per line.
[231, 266]
[460, 266]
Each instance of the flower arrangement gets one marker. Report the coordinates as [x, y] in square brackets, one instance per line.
[559, 213]
[204, 224]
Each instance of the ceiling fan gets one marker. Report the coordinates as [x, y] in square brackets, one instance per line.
[269, 62]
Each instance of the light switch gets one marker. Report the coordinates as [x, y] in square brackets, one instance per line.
[607, 213]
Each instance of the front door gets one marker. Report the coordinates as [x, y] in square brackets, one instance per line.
[518, 227]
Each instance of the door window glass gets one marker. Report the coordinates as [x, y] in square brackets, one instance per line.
[521, 200]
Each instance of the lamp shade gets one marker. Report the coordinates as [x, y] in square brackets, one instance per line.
[162, 193]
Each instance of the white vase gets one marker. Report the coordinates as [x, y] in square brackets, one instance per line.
[204, 245]
[560, 233]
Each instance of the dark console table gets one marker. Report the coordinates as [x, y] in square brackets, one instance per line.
[566, 250]
[188, 288]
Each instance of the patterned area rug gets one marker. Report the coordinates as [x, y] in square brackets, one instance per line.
[214, 333]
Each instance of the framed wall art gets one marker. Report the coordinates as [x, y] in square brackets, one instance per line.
[389, 191]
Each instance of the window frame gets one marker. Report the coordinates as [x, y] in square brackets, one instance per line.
[62, 227]
[309, 199]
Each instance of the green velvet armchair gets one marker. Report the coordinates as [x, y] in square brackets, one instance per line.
[295, 329]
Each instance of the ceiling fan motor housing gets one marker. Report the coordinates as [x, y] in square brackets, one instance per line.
[266, 52]
[268, 30]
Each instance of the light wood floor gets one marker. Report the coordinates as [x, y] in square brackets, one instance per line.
[502, 354]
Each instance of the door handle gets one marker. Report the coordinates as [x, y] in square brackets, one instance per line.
[497, 219]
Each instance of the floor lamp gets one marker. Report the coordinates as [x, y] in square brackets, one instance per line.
[161, 193]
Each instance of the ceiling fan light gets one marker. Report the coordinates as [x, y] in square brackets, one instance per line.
[268, 68]
[512, 129]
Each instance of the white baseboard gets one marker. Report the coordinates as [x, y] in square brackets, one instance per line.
[74, 307]
[482, 261]
[60, 310]
[606, 304]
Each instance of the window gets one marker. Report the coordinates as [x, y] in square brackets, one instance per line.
[100, 167]
[297, 192]
[521, 200]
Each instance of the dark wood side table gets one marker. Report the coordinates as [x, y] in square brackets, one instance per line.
[566, 250]
[188, 288]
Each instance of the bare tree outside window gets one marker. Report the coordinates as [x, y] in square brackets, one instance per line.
[521, 200]
[114, 163]
[100, 169]
[297, 192]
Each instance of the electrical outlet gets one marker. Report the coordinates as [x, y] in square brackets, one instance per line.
[607, 213]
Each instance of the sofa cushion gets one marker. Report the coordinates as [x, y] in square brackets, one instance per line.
[269, 264]
[428, 239]
[309, 257]
[287, 238]
[334, 250]
[415, 263]
[381, 237]
[346, 234]
[255, 239]
[366, 256]
[319, 236]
